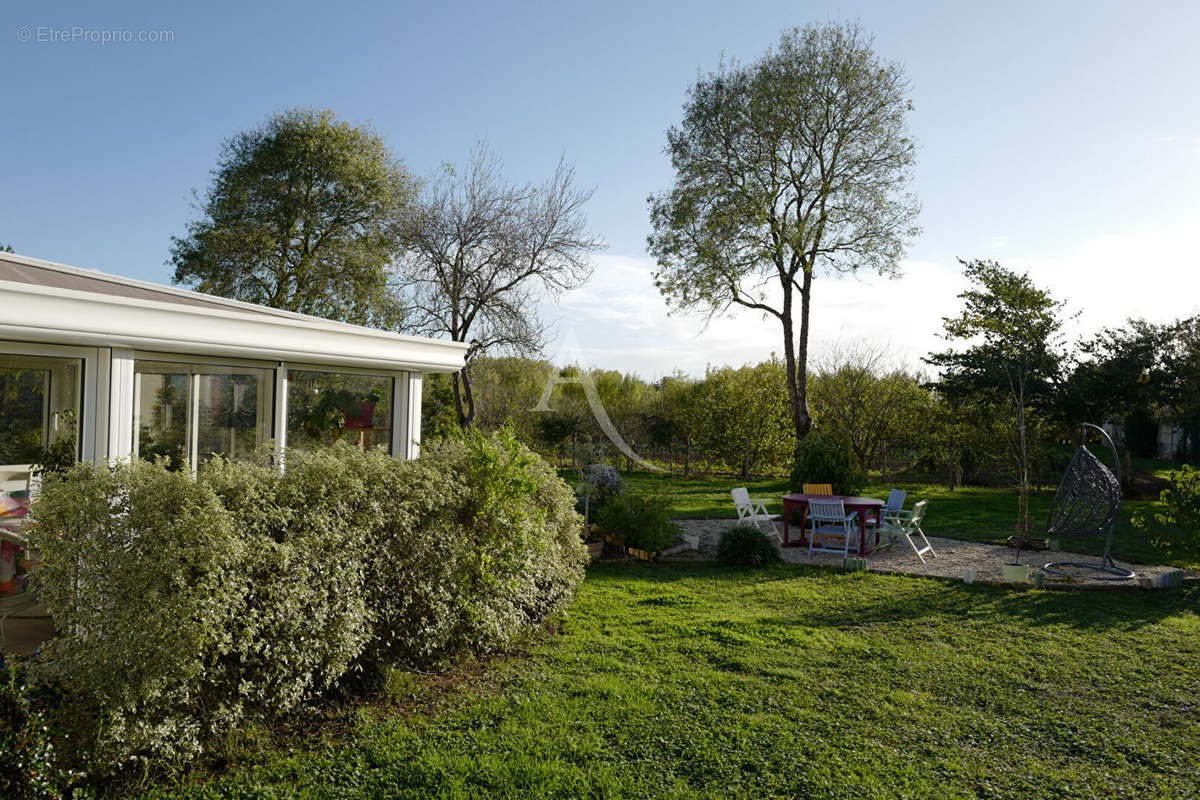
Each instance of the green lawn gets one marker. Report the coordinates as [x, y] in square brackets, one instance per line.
[975, 514]
[696, 681]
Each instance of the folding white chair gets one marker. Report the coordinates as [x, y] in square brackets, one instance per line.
[753, 511]
[830, 521]
[906, 525]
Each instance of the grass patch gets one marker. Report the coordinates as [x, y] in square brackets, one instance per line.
[790, 681]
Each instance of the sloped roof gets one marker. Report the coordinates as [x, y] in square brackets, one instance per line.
[22, 269]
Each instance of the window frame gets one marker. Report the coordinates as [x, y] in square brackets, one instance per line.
[90, 437]
[405, 430]
[196, 369]
[398, 382]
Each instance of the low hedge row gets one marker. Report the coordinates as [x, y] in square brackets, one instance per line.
[185, 605]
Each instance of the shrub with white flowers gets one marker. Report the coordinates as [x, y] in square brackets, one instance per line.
[185, 605]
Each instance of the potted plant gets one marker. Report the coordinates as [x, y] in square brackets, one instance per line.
[640, 523]
[1015, 571]
[1023, 541]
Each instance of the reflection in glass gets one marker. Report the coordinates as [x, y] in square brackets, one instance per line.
[187, 413]
[160, 416]
[324, 407]
[39, 406]
[231, 419]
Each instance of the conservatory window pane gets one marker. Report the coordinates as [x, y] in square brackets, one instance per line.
[187, 413]
[161, 406]
[39, 408]
[233, 416]
[324, 407]
[39, 412]
[22, 415]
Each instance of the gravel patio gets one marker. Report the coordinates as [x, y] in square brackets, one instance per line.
[953, 556]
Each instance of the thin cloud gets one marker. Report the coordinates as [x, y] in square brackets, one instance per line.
[621, 321]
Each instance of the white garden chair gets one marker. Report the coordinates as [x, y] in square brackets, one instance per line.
[830, 522]
[753, 511]
[907, 525]
[894, 507]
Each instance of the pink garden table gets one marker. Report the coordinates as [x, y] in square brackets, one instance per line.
[863, 505]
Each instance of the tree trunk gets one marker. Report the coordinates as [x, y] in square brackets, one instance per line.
[687, 457]
[1023, 501]
[800, 413]
[795, 359]
[458, 400]
[464, 399]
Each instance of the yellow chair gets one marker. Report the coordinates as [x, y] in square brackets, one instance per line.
[813, 488]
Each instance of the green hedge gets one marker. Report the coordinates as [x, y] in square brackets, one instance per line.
[185, 605]
[30, 768]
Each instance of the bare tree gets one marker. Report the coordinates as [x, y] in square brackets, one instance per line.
[480, 252]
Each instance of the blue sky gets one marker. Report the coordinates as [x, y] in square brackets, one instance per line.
[1063, 138]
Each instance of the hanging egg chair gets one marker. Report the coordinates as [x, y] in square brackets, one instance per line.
[1086, 506]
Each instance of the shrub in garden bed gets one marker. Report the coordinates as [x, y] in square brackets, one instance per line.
[480, 567]
[187, 605]
[1175, 530]
[640, 520]
[744, 546]
[601, 483]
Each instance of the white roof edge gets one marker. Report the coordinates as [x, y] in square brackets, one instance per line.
[234, 305]
[35, 312]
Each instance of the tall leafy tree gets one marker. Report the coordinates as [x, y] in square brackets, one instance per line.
[787, 169]
[1012, 332]
[1183, 387]
[678, 416]
[1122, 375]
[299, 217]
[505, 389]
[6, 248]
[1122, 370]
[481, 251]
